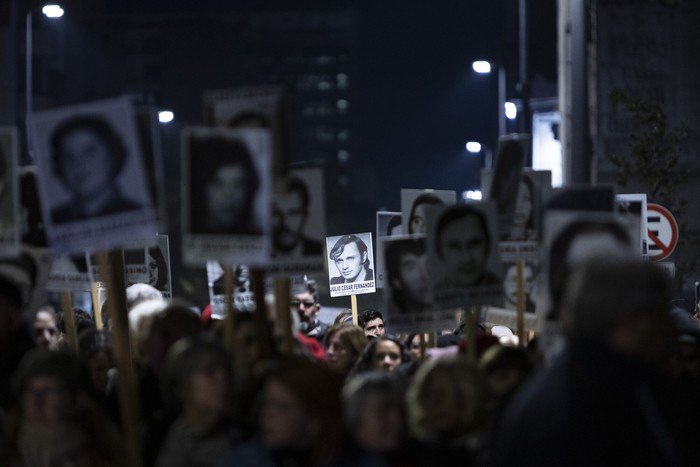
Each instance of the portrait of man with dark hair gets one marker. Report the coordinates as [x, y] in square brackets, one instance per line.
[463, 242]
[290, 214]
[352, 260]
[407, 275]
[224, 184]
[88, 157]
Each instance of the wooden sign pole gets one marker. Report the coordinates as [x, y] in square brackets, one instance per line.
[69, 321]
[267, 343]
[96, 308]
[112, 266]
[521, 302]
[471, 323]
[284, 318]
[353, 307]
[228, 299]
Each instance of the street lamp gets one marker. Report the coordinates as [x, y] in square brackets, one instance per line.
[165, 116]
[484, 67]
[50, 11]
[475, 147]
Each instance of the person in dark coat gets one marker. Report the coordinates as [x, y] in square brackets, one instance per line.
[603, 401]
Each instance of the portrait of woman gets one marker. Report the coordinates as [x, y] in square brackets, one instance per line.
[417, 217]
[523, 225]
[223, 187]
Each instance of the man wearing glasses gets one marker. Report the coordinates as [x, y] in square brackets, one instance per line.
[305, 303]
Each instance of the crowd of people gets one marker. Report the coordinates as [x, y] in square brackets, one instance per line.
[209, 393]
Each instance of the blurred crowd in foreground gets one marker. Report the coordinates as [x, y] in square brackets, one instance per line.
[214, 393]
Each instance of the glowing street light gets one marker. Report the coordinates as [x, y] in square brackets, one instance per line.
[52, 11]
[165, 116]
[511, 111]
[481, 67]
[473, 147]
[472, 195]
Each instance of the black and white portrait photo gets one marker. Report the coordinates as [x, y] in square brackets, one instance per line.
[510, 286]
[241, 288]
[226, 189]
[150, 265]
[416, 203]
[512, 154]
[576, 237]
[298, 215]
[92, 176]
[388, 225]
[298, 224]
[225, 185]
[408, 286]
[88, 156]
[463, 242]
[350, 264]
[533, 189]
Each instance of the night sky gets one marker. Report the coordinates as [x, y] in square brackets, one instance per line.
[418, 99]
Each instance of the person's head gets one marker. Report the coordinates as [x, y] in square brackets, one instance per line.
[506, 368]
[300, 408]
[229, 182]
[447, 398]
[87, 154]
[168, 326]
[83, 322]
[373, 411]
[350, 256]
[305, 303]
[95, 352]
[197, 378]
[578, 241]
[407, 273]
[372, 322]
[412, 344]
[49, 384]
[463, 243]
[343, 343]
[291, 210]
[344, 317]
[139, 292]
[510, 282]
[46, 328]
[245, 345]
[384, 353]
[417, 217]
[623, 304]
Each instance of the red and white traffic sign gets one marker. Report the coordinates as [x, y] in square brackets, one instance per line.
[662, 232]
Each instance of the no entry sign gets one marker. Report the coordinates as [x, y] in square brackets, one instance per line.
[662, 232]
